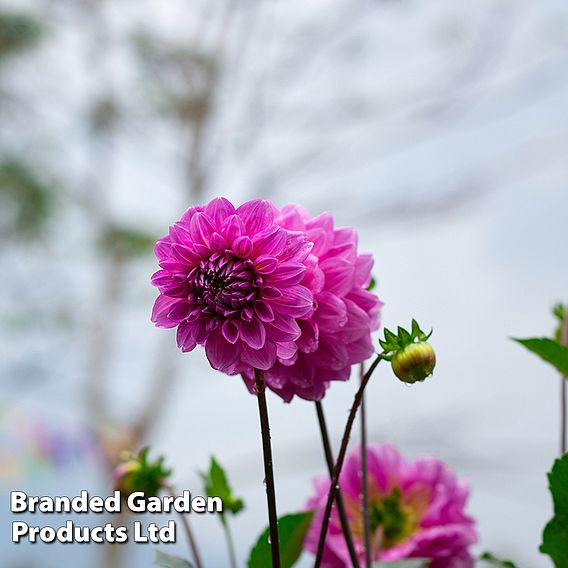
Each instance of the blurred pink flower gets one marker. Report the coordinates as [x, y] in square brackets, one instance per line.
[230, 280]
[338, 335]
[417, 510]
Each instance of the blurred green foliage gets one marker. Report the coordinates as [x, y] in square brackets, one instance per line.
[18, 31]
[126, 243]
[182, 77]
[26, 200]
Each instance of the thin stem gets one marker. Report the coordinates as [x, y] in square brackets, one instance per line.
[341, 458]
[260, 388]
[339, 497]
[364, 479]
[230, 543]
[188, 532]
[563, 389]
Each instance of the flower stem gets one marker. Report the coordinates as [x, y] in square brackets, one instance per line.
[563, 389]
[339, 497]
[341, 458]
[260, 389]
[230, 543]
[364, 477]
[188, 532]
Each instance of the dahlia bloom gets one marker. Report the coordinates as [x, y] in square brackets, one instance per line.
[338, 334]
[230, 280]
[417, 510]
[273, 290]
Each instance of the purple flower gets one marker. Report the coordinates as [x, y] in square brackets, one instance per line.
[338, 334]
[231, 280]
[416, 510]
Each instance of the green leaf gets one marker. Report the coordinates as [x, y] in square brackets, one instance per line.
[217, 485]
[493, 560]
[168, 561]
[555, 541]
[558, 483]
[408, 563]
[555, 535]
[548, 350]
[372, 284]
[292, 530]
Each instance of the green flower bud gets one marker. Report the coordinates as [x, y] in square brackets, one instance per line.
[414, 363]
[412, 358]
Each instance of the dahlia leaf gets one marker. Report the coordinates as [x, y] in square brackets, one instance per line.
[408, 563]
[555, 536]
[168, 561]
[292, 530]
[555, 541]
[549, 350]
[494, 561]
[217, 485]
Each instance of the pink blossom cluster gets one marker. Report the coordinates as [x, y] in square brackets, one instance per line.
[268, 289]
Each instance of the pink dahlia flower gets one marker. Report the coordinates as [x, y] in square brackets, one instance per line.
[338, 334]
[416, 510]
[231, 280]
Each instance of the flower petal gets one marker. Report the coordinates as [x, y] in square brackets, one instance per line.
[183, 337]
[253, 333]
[256, 215]
[219, 209]
[262, 359]
[221, 354]
[287, 274]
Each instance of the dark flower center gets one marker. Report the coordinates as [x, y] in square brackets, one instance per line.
[224, 285]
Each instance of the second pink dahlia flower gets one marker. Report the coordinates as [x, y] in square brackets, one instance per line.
[338, 335]
[416, 510]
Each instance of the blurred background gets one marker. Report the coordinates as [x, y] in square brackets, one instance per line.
[439, 129]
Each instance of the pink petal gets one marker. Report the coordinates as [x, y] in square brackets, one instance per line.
[162, 307]
[283, 328]
[256, 215]
[339, 275]
[296, 301]
[271, 241]
[162, 247]
[262, 359]
[183, 337]
[221, 354]
[218, 242]
[308, 341]
[331, 313]
[287, 274]
[264, 311]
[363, 267]
[265, 264]
[233, 228]
[201, 228]
[242, 246]
[179, 311]
[185, 254]
[230, 331]
[253, 333]
[286, 350]
[219, 209]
